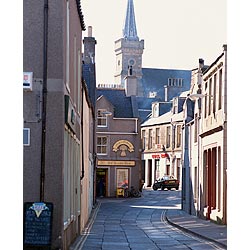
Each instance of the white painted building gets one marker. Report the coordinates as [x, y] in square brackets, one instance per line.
[205, 142]
[162, 143]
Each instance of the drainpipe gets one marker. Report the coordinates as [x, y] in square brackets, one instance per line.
[44, 98]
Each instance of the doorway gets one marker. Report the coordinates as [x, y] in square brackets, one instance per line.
[101, 182]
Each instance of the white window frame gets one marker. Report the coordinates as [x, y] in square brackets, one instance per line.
[102, 145]
[168, 136]
[103, 117]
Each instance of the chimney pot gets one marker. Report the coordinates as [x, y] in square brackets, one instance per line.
[89, 31]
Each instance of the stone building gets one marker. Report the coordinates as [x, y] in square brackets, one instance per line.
[205, 142]
[161, 140]
[54, 103]
[118, 142]
[214, 141]
[150, 84]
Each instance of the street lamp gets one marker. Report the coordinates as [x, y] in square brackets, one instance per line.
[195, 96]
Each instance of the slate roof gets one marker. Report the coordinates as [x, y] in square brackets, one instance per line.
[117, 97]
[158, 120]
[155, 79]
[163, 119]
[89, 76]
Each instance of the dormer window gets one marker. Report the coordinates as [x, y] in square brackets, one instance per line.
[102, 118]
[152, 94]
[175, 82]
[155, 109]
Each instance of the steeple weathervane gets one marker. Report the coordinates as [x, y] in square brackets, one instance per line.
[129, 30]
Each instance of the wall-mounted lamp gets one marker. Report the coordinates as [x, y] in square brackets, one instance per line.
[196, 96]
[107, 113]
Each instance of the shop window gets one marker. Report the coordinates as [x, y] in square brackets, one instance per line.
[122, 178]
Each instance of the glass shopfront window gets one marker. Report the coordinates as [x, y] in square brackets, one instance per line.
[122, 177]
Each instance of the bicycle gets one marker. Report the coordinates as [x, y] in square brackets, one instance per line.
[132, 192]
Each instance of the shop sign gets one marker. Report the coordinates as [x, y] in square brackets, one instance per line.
[158, 156]
[115, 163]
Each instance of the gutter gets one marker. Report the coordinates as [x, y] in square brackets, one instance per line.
[44, 98]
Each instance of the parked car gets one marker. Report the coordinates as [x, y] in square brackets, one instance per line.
[168, 182]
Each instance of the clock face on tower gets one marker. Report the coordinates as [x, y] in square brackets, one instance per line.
[131, 62]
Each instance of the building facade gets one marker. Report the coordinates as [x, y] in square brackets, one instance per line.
[161, 140]
[214, 141]
[205, 142]
[129, 49]
[118, 143]
[150, 84]
[54, 103]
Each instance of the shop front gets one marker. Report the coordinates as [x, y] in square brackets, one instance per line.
[156, 166]
[117, 175]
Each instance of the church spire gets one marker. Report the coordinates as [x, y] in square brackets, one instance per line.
[129, 30]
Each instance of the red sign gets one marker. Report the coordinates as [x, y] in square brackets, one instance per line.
[158, 156]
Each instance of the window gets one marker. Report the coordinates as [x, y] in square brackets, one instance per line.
[101, 118]
[175, 82]
[157, 138]
[219, 178]
[150, 138]
[26, 137]
[122, 177]
[196, 128]
[155, 110]
[220, 89]
[168, 137]
[209, 96]
[178, 136]
[195, 184]
[71, 194]
[143, 139]
[152, 94]
[214, 94]
[175, 106]
[102, 145]
[206, 99]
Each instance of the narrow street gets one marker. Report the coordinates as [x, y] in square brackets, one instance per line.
[139, 223]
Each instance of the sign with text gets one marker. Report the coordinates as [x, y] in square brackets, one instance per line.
[37, 223]
[158, 156]
[115, 163]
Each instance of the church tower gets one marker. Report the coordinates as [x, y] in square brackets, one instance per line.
[128, 50]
